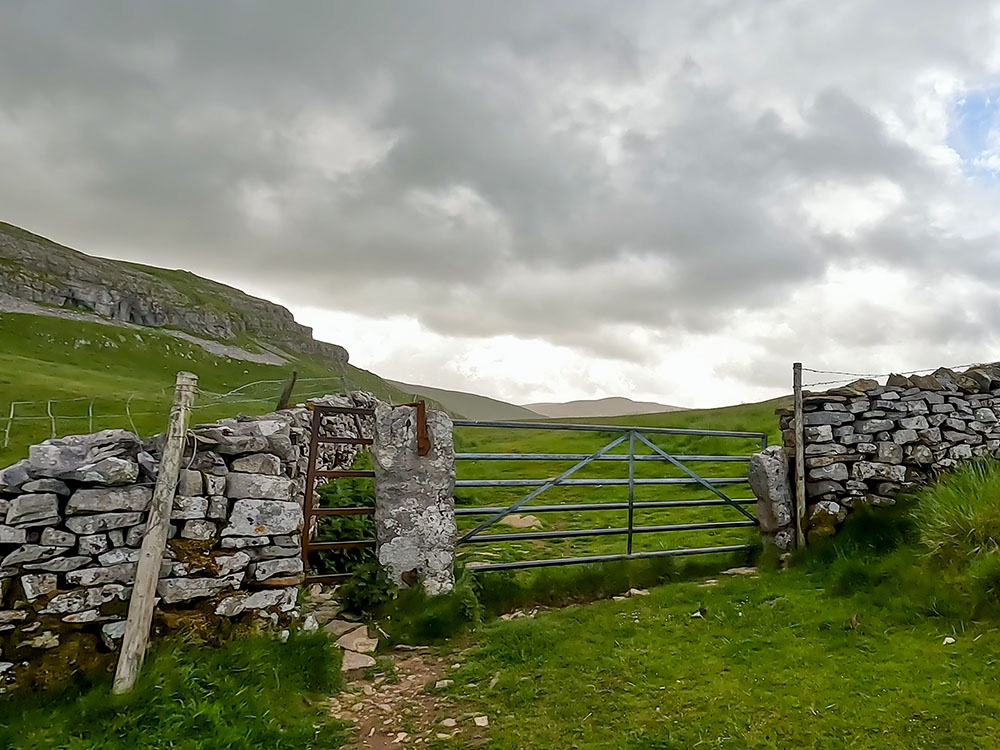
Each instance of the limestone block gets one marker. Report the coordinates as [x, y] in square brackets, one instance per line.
[174, 590]
[189, 508]
[263, 517]
[415, 505]
[102, 522]
[33, 510]
[258, 486]
[84, 599]
[108, 499]
[258, 463]
[56, 538]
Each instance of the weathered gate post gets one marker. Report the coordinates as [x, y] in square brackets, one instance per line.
[415, 495]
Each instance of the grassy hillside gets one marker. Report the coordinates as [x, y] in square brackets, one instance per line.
[468, 405]
[43, 358]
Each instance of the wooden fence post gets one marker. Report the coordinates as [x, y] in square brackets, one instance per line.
[147, 574]
[800, 459]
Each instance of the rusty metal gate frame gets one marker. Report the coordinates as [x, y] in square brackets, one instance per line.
[631, 435]
[309, 508]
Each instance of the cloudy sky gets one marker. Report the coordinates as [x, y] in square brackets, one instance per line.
[537, 200]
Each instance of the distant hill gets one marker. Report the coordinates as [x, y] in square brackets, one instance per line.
[468, 405]
[615, 406]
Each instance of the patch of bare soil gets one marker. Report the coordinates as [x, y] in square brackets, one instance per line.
[404, 708]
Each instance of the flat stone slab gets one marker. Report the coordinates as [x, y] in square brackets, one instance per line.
[254, 517]
[354, 661]
[358, 640]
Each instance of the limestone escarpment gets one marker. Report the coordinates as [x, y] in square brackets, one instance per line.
[38, 270]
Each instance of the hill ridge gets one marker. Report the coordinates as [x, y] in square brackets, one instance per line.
[41, 271]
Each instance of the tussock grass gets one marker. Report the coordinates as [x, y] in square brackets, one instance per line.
[959, 516]
[250, 693]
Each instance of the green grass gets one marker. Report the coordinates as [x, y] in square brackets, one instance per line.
[772, 662]
[961, 517]
[749, 417]
[44, 358]
[252, 693]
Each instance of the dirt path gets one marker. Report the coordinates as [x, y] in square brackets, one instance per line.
[405, 708]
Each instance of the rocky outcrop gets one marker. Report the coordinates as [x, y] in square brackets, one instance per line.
[38, 270]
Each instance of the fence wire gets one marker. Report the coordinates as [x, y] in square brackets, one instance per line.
[50, 418]
[852, 376]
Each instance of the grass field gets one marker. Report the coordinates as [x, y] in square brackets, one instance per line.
[751, 417]
[768, 662]
[44, 358]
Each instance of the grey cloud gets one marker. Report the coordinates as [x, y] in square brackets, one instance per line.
[590, 133]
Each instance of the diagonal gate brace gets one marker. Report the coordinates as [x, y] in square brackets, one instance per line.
[532, 495]
[697, 478]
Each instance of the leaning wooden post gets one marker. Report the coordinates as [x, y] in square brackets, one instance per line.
[800, 459]
[147, 574]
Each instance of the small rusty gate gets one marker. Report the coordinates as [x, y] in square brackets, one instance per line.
[312, 510]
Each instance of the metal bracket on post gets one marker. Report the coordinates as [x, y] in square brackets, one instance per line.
[423, 439]
[800, 458]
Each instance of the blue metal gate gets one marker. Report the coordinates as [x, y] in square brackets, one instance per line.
[630, 439]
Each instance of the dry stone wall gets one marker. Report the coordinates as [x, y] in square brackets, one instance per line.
[73, 515]
[865, 442]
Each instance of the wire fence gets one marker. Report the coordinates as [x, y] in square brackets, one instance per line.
[850, 377]
[25, 422]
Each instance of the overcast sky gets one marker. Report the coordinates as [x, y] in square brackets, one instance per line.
[537, 200]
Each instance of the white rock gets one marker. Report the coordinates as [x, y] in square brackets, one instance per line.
[102, 522]
[33, 510]
[286, 566]
[57, 538]
[258, 463]
[353, 660]
[259, 487]
[481, 721]
[263, 518]
[10, 535]
[109, 499]
[310, 625]
[948, 641]
[174, 590]
[36, 585]
[201, 530]
[358, 640]
[93, 544]
[83, 599]
[189, 508]
[112, 633]
[189, 482]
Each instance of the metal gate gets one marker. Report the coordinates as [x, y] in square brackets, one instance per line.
[628, 438]
[318, 470]
[312, 511]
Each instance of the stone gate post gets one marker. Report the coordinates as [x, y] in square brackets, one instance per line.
[414, 498]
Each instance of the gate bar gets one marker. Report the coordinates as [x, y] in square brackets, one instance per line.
[690, 473]
[607, 428]
[593, 482]
[578, 456]
[607, 558]
[614, 531]
[532, 495]
[583, 507]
